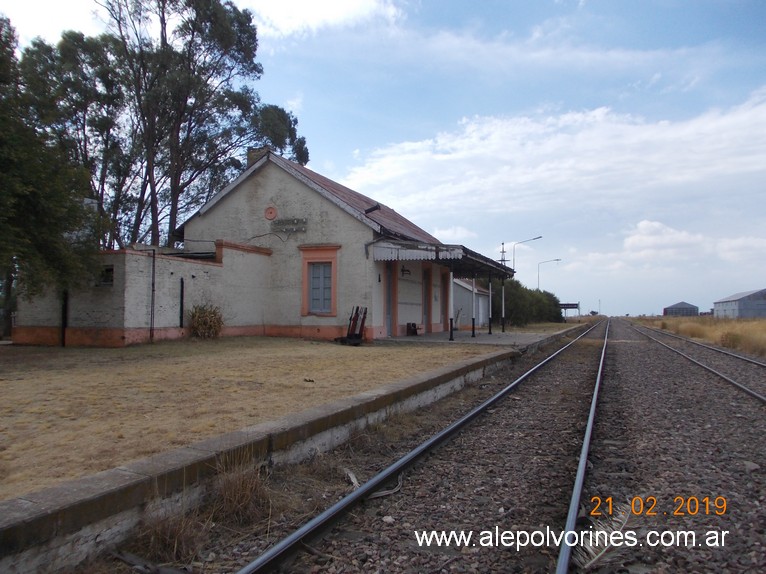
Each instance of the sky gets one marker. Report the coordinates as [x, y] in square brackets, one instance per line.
[630, 135]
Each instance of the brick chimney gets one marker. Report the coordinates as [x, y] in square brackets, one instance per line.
[256, 153]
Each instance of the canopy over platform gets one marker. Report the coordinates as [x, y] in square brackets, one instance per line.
[463, 262]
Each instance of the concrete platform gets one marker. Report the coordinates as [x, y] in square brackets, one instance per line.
[61, 526]
[517, 339]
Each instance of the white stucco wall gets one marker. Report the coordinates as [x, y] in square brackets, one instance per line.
[436, 296]
[100, 306]
[244, 292]
[411, 292]
[93, 304]
[201, 281]
[43, 310]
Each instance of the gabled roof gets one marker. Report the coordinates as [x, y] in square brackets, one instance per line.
[390, 222]
[379, 217]
[682, 305]
[738, 296]
[401, 237]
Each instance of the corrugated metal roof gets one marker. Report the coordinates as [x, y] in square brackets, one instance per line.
[682, 305]
[392, 222]
[738, 296]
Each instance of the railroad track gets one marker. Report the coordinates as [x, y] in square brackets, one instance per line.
[678, 459]
[730, 366]
[507, 467]
[674, 452]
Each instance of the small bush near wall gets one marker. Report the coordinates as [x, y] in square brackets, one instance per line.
[206, 321]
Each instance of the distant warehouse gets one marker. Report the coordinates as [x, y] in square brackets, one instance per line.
[746, 305]
[682, 309]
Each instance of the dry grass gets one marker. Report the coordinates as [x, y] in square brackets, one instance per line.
[175, 538]
[239, 496]
[239, 493]
[746, 335]
[263, 503]
[70, 412]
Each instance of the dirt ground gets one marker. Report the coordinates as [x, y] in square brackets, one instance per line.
[70, 412]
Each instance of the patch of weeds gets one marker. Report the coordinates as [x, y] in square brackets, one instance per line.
[398, 427]
[174, 538]
[206, 321]
[240, 495]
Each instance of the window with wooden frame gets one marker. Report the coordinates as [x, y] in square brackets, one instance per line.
[320, 287]
[320, 280]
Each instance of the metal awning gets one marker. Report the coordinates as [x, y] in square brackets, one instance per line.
[462, 261]
[411, 251]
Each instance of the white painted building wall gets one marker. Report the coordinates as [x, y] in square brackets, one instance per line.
[109, 312]
[410, 292]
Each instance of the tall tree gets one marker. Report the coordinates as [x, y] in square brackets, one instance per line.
[188, 83]
[159, 110]
[76, 98]
[46, 227]
[280, 129]
[524, 305]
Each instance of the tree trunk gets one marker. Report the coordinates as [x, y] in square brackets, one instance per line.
[8, 302]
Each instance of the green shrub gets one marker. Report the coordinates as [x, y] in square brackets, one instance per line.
[206, 321]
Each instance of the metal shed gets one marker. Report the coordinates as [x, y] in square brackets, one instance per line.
[745, 305]
[681, 309]
[465, 298]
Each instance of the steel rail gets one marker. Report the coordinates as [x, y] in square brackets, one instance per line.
[278, 553]
[693, 342]
[565, 550]
[742, 387]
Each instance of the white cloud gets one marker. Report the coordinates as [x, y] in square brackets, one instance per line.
[652, 241]
[555, 48]
[593, 159]
[655, 265]
[41, 18]
[454, 234]
[298, 17]
[656, 252]
[48, 19]
[742, 249]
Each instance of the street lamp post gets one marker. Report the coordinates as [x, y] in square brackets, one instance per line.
[513, 264]
[538, 270]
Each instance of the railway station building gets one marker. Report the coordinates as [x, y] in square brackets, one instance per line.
[281, 251]
[745, 305]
